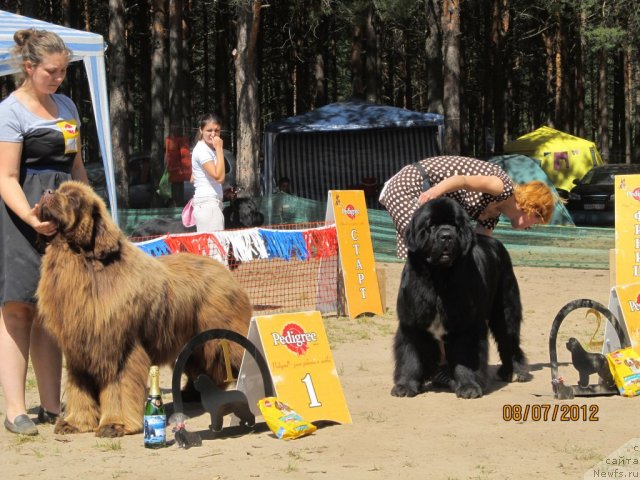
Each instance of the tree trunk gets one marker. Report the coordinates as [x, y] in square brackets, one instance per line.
[223, 65]
[158, 87]
[628, 100]
[320, 93]
[499, 28]
[118, 100]
[176, 120]
[248, 28]
[186, 68]
[29, 8]
[580, 72]
[617, 114]
[557, 94]
[408, 71]
[603, 107]
[451, 29]
[434, 61]
[566, 101]
[390, 62]
[333, 49]
[207, 87]
[319, 79]
[636, 117]
[547, 38]
[372, 62]
[175, 70]
[357, 61]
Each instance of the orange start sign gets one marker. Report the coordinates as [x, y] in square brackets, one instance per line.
[304, 375]
[347, 208]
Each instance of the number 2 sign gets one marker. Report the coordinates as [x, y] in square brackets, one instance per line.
[304, 376]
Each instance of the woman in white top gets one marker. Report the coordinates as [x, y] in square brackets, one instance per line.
[207, 163]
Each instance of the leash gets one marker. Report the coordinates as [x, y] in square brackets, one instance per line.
[426, 184]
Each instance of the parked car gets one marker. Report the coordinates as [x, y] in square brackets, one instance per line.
[592, 201]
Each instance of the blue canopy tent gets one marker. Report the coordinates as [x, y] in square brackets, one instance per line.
[88, 47]
[345, 145]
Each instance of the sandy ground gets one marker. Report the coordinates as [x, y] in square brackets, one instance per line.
[434, 435]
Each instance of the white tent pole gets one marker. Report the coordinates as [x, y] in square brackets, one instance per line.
[97, 85]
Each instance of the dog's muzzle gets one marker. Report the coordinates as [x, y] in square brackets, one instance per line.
[444, 242]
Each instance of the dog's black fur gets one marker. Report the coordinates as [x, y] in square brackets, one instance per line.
[455, 286]
[160, 226]
[240, 213]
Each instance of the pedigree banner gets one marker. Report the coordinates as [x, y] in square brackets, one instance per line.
[624, 299]
[296, 349]
[627, 236]
[348, 209]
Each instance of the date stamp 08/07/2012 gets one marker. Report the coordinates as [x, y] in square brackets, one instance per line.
[546, 412]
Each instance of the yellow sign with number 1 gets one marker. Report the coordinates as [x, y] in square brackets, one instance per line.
[296, 349]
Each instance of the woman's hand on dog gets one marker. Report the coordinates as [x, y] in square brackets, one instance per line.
[427, 195]
[43, 228]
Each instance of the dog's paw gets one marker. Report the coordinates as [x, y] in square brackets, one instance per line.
[110, 430]
[505, 373]
[64, 428]
[403, 391]
[469, 390]
[519, 372]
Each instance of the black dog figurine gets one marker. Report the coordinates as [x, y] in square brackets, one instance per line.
[589, 363]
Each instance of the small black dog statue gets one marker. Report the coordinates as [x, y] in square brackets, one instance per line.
[588, 363]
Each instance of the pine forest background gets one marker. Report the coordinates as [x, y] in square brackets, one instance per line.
[495, 68]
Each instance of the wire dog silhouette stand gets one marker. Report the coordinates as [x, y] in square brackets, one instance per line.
[585, 362]
[217, 402]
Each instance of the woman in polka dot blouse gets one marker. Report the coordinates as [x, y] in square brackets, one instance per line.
[483, 189]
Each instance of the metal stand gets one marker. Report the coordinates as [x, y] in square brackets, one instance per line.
[216, 401]
[560, 390]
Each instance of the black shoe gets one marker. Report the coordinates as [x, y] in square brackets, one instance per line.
[47, 417]
[21, 425]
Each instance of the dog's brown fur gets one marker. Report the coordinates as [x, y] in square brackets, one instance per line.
[115, 311]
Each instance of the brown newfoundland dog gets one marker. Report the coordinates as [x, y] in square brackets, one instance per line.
[115, 311]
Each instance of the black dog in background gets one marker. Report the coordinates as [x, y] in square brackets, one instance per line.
[455, 287]
[240, 213]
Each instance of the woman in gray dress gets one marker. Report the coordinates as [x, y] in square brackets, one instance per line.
[39, 149]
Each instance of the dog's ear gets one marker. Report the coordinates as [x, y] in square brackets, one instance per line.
[466, 232]
[106, 236]
[416, 233]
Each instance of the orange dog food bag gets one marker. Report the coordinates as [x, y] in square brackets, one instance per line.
[625, 368]
[282, 420]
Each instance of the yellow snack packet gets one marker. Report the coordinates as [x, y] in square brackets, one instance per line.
[282, 420]
[625, 368]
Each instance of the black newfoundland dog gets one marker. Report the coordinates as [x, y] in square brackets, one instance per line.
[455, 286]
[240, 213]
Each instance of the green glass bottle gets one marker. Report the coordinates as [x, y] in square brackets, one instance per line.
[155, 419]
